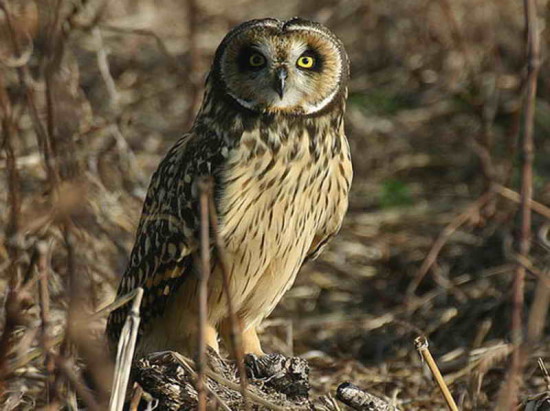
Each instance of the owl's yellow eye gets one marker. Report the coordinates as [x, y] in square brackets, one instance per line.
[256, 60]
[305, 62]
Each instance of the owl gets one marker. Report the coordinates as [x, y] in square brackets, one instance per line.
[270, 133]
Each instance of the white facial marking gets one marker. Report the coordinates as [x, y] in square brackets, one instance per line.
[260, 95]
[314, 108]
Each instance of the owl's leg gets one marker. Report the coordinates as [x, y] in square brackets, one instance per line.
[211, 338]
[250, 341]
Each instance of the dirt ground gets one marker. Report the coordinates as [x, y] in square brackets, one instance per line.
[434, 120]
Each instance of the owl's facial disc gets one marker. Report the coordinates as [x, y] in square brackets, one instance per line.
[296, 67]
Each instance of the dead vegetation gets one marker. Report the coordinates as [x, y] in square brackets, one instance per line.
[437, 242]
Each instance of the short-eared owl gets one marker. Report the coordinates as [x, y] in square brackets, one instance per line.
[271, 134]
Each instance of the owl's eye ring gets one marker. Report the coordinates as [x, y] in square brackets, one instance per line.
[306, 62]
[256, 60]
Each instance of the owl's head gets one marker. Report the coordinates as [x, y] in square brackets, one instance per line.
[270, 66]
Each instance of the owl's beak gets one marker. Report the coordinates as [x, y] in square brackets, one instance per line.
[281, 74]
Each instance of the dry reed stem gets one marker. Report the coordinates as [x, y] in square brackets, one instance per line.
[12, 302]
[55, 340]
[13, 299]
[103, 64]
[545, 372]
[44, 300]
[79, 386]
[26, 83]
[235, 324]
[125, 354]
[516, 198]
[539, 309]
[509, 393]
[524, 241]
[148, 33]
[421, 344]
[193, 68]
[203, 293]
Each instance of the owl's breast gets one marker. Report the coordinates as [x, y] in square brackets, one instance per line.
[278, 195]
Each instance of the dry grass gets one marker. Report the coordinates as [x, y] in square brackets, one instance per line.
[93, 93]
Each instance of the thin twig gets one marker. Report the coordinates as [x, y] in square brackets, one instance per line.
[12, 303]
[544, 370]
[421, 344]
[148, 33]
[516, 198]
[44, 294]
[509, 393]
[539, 308]
[75, 380]
[103, 64]
[25, 82]
[192, 23]
[57, 339]
[443, 237]
[203, 293]
[524, 240]
[119, 302]
[235, 324]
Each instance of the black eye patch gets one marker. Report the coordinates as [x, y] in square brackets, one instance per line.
[317, 60]
[250, 59]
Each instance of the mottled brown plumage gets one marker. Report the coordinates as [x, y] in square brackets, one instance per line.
[271, 134]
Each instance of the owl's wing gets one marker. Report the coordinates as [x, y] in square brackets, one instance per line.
[167, 235]
[318, 245]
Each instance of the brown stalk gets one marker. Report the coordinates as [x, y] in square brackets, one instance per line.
[44, 300]
[421, 344]
[456, 34]
[74, 303]
[516, 198]
[443, 237]
[194, 96]
[524, 240]
[77, 383]
[13, 300]
[148, 33]
[203, 294]
[235, 324]
[509, 393]
[25, 82]
[539, 309]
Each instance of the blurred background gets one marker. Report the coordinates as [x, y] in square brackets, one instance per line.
[93, 94]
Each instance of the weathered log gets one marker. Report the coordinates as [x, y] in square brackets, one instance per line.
[356, 398]
[167, 381]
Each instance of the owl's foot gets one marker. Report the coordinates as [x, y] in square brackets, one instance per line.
[289, 375]
[250, 341]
